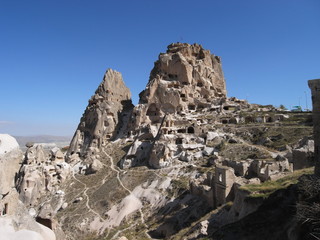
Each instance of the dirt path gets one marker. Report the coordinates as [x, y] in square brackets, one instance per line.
[87, 197]
[119, 232]
[113, 168]
[117, 171]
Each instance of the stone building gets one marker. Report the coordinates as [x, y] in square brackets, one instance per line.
[223, 183]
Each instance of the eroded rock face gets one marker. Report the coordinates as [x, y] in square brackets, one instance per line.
[185, 80]
[186, 77]
[35, 155]
[314, 85]
[104, 117]
[303, 156]
[9, 166]
[15, 221]
[41, 172]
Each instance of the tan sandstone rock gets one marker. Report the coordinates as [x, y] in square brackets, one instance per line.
[15, 220]
[185, 78]
[104, 117]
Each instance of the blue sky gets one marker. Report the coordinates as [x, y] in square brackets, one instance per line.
[53, 54]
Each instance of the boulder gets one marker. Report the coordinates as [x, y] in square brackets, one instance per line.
[207, 151]
[7, 144]
[214, 139]
[185, 156]
[198, 155]
[302, 158]
[303, 155]
[212, 135]
[94, 166]
[29, 144]
[232, 140]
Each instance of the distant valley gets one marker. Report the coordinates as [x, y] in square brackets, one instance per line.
[46, 140]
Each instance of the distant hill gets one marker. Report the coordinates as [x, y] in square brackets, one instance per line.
[59, 141]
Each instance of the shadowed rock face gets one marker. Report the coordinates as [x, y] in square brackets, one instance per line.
[315, 91]
[102, 117]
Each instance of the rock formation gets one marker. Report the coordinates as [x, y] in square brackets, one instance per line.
[185, 78]
[41, 176]
[155, 168]
[15, 220]
[10, 159]
[103, 119]
[315, 91]
[40, 173]
[7, 144]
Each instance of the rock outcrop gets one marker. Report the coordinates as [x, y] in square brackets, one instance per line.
[7, 144]
[10, 159]
[185, 78]
[40, 176]
[303, 154]
[40, 173]
[315, 91]
[15, 220]
[104, 118]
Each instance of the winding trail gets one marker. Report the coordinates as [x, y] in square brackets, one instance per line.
[113, 168]
[116, 170]
[119, 232]
[87, 197]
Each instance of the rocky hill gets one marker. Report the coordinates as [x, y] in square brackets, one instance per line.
[104, 119]
[173, 166]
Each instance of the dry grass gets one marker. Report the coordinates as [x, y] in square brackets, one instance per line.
[268, 187]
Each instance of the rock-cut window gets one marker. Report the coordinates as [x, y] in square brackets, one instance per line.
[220, 177]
